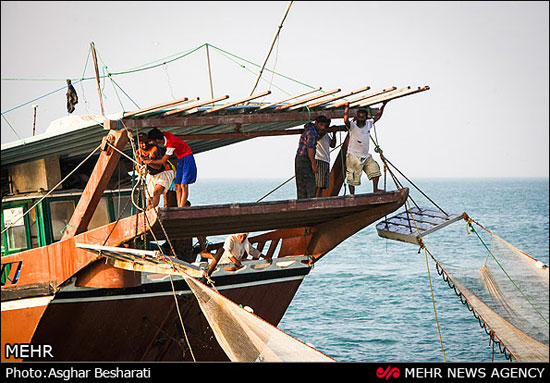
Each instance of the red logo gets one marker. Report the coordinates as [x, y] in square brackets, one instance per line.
[389, 372]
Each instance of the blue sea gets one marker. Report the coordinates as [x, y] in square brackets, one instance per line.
[369, 299]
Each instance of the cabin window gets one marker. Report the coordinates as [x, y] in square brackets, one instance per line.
[61, 212]
[119, 207]
[101, 215]
[16, 236]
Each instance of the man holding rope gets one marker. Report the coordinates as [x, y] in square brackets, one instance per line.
[358, 158]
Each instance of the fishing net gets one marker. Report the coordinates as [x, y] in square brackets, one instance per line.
[245, 337]
[509, 295]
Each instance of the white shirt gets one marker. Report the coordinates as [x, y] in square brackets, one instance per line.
[359, 138]
[323, 149]
[233, 248]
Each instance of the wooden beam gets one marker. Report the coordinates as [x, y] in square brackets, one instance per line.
[394, 96]
[233, 103]
[377, 93]
[94, 57]
[189, 107]
[103, 170]
[300, 102]
[209, 72]
[360, 90]
[288, 99]
[233, 135]
[251, 118]
[158, 106]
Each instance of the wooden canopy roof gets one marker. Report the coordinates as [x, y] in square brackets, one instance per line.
[205, 124]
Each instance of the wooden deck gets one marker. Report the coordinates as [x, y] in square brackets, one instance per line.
[247, 217]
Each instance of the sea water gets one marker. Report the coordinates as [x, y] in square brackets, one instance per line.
[370, 300]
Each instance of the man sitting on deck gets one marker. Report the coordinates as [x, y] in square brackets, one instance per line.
[304, 162]
[234, 251]
[160, 176]
[186, 169]
[358, 158]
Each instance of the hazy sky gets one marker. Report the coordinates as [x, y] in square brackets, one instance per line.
[486, 114]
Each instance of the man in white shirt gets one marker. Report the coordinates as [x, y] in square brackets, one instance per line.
[358, 158]
[235, 247]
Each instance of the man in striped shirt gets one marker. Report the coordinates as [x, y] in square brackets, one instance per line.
[304, 162]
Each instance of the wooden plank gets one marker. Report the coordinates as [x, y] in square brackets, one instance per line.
[374, 94]
[233, 135]
[156, 107]
[311, 98]
[381, 96]
[189, 107]
[389, 97]
[100, 177]
[252, 118]
[318, 103]
[233, 103]
[288, 99]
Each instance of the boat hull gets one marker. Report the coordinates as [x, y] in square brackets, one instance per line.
[144, 323]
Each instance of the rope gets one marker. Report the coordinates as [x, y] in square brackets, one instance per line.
[12, 128]
[38, 98]
[431, 287]
[259, 66]
[52, 190]
[445, 276]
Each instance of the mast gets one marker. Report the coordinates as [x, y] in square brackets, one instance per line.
[271, 48]
[94, 56]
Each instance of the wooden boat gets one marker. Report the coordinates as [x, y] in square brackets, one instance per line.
[57, 291]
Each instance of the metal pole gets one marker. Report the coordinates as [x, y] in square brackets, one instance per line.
[271, 48]
[209, 72]
[34, 119]
[92, 46]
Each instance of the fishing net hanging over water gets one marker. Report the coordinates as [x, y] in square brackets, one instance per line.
[509, 293]
[246, 337]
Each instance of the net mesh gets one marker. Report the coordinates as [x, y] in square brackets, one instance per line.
[245, 337]
[510, 294]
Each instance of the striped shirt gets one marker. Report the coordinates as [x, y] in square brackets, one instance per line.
[308, 139]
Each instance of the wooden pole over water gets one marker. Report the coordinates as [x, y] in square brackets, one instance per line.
[271, 48]
[209, 73]
[92, 47]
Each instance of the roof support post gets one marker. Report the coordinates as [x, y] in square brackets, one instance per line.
[103, 170]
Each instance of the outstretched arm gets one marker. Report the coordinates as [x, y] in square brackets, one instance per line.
[346, 115]
[380, 111]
